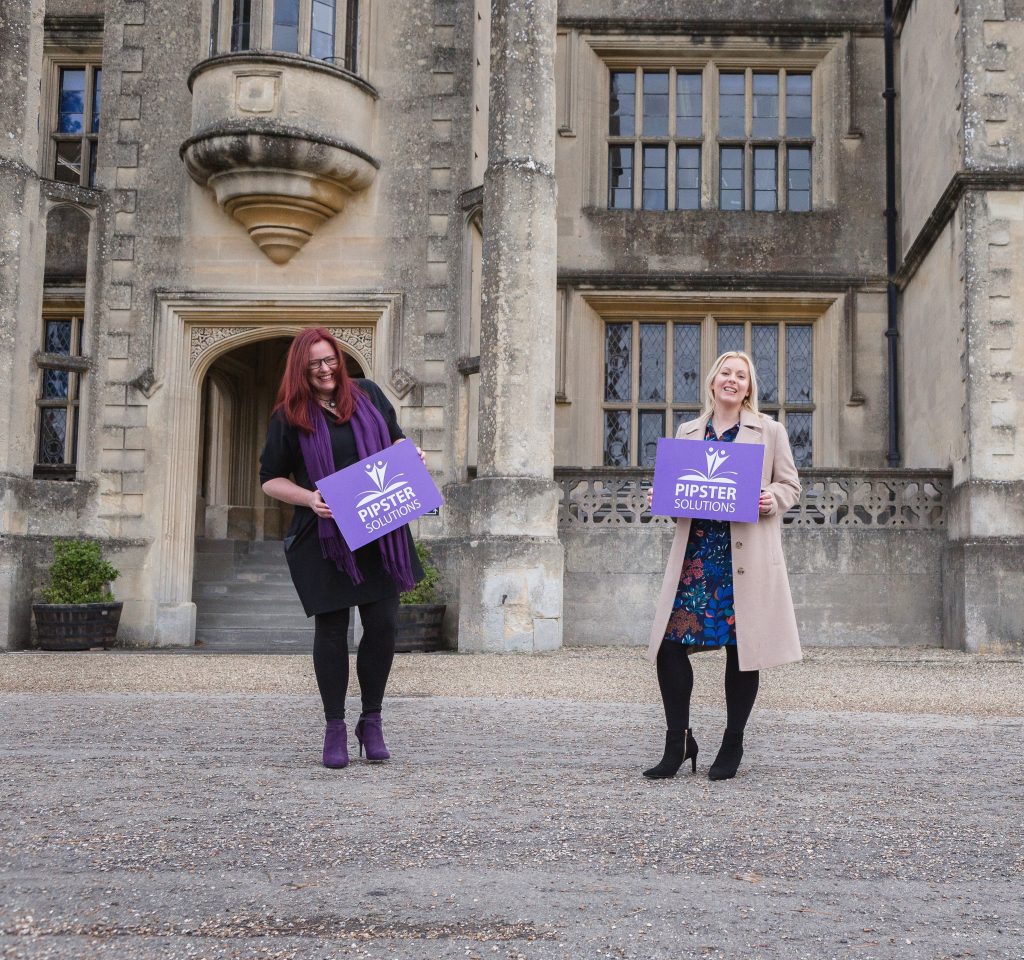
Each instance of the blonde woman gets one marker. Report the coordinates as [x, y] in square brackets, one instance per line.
[725, 583]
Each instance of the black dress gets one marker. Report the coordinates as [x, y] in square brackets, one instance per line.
[321, 586]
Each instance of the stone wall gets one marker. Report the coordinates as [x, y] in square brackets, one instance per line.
[850, 586]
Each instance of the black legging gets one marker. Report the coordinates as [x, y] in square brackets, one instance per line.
[675, 677]
[373, 661]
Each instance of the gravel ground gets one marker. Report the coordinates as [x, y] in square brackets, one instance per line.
[162, 806]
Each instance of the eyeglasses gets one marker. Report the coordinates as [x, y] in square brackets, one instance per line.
[330, 362]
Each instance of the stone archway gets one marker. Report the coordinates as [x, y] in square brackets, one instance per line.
[193, 335]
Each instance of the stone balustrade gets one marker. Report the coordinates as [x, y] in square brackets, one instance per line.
[914, 499]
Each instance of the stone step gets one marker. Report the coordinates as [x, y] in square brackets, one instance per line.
[276, 587]
[231, 640]
[252, 604]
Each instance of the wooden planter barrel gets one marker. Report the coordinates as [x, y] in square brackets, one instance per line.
[76, 626]
[419, 627]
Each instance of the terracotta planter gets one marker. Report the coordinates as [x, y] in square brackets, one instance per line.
[76, 626]
[419, 627]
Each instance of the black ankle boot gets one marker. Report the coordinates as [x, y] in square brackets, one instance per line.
[679, 746]
[729, 755]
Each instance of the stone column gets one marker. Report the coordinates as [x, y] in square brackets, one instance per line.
[510, 591]
[22, 254]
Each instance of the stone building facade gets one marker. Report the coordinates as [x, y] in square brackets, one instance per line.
[534, 224]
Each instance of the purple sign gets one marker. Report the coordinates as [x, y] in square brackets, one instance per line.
[709, 480]
[380, 494]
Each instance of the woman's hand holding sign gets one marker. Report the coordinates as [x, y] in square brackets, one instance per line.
[318, 506]
[766, 504]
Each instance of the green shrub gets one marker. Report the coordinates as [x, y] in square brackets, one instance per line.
[426, 590]
[79, 574]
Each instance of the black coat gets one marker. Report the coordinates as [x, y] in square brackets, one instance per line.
[321, 586]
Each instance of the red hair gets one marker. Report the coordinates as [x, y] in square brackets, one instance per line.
[295, 392]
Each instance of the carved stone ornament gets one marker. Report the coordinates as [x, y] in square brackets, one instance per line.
[360, 339]
[202, 338]
[402, 381]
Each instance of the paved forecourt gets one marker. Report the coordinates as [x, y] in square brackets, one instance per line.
[140, 820]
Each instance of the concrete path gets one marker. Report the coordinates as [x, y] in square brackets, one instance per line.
[160, 806]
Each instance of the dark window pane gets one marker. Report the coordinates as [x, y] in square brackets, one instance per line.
[730, 337]
[618, 367]
[688, 178]
[352, 35]
[241, 15]
[622, 105]
[766, 105]
[688, 105]
[652, 429]
[58, 337]
[620, 178]
[764, 349]
[55, 384]
[799, 363]
[652, 361]
[71, 117]
[97, 80]
[686, 363]
[616, 438]
[286, 25]
[799, 427]
[214, 23]
[655, 183]
[731, 178]
[53, 425]
[93, 148]
[765, 179]
[68, 165]
[798, 105]
[655, 104]
[731, 107]
[798, 179]
[682, 416]
[321, 38]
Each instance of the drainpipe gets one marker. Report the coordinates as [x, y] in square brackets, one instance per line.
[892, 330]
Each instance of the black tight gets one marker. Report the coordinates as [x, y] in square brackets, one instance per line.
[675, 677]
[373, 661]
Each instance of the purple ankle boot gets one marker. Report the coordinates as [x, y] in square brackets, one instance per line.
[371, 736]
[336, 744]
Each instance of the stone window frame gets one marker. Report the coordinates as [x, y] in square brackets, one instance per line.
[581, 437]
[349, 51]
[820, 58]
[88, 55]
[76, 365]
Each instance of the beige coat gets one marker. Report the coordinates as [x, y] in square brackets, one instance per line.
[766, 634]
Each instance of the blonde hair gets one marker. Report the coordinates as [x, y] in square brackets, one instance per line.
[750, 401]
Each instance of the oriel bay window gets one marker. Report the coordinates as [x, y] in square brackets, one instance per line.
[322, 29]
[654, 375]
[756, 123]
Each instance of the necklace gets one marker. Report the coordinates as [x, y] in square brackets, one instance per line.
[331, 404]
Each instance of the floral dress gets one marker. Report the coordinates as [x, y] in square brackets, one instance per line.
[702, 615]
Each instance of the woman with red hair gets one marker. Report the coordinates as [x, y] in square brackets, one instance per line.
[323, 422]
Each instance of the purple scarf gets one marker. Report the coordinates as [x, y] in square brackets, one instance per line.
[371, 435]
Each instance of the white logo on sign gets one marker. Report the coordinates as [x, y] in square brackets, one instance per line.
[377, 472]
[715, 459]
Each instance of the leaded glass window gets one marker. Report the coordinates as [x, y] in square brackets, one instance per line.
[286, 26]
[57, 402]
[656, 178]
[77, 126]
[765, 179]
[658, 363]
[761, 121]
[655, 371]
